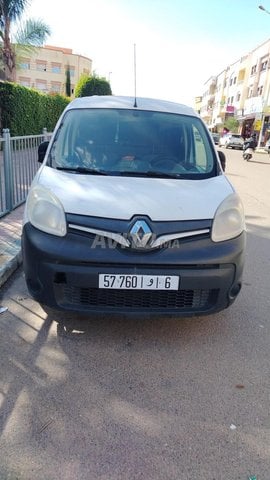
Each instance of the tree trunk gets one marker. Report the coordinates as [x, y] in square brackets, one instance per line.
[8, 53]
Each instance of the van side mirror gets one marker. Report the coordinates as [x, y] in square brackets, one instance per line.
[42, 149]
[222, 159]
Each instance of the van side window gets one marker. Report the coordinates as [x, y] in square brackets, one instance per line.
[200, 151]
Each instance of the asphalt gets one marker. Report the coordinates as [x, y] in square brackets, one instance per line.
[10, 243]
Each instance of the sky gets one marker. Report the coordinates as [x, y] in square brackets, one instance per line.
[176, 45]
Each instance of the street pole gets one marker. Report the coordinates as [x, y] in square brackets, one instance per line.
[265, 103]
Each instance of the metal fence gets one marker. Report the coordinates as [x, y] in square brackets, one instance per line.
[18, 166]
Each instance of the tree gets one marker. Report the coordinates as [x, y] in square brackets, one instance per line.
[29, 35]
[88, 86]
[231, 124]
[68, 83]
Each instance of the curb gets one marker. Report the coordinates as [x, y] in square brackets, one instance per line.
[261, 150]
[10, 243]
[10, 265]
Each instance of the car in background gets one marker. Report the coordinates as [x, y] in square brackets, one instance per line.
[231, 140]
[216, 137]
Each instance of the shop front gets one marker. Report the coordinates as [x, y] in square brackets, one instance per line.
[265, 126]
[252, 117]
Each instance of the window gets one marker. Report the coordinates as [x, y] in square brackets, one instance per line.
[56, 87]
[25, 64]
[41, 85]
[250, 89]
[260, 90]
[71, 70]
[253, 69]
[264, 65]
[56, 68]
[24, 81]
[238, 96]
[41, 66]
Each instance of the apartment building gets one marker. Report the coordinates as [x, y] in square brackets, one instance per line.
[198, 104]
[241, 90]
[46, 69]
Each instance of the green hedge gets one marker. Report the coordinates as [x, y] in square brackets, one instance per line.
[27, 112]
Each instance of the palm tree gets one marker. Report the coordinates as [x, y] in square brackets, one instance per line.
[30, 34]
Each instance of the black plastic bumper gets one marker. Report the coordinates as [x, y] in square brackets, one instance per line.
[62, 273]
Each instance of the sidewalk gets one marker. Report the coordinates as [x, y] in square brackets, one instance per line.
[10, 243]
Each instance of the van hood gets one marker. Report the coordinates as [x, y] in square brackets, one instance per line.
[123, 197]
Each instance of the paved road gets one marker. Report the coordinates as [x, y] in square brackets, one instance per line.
[143, 398]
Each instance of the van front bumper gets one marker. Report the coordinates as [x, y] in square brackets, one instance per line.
[63, 273]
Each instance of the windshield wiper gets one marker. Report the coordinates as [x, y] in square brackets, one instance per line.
[89, 171]
[148, 173]
[152, 173]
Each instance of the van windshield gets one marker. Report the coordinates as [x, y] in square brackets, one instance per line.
[132, 142]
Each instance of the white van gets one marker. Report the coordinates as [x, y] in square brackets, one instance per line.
[131, 212]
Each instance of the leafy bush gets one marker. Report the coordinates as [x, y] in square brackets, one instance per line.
[88, 86]
[27, 112]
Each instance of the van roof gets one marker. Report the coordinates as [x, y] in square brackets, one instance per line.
[149, 104]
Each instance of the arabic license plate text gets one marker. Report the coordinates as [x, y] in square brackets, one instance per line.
[139, 282]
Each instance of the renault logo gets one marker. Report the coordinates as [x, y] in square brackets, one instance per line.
[140, 234]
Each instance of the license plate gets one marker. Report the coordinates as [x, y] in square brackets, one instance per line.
[139, 282]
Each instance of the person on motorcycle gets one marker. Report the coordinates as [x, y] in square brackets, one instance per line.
[249, 146]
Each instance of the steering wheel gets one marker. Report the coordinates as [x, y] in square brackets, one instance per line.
[163, 161]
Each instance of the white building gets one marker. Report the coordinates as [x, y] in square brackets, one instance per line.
[241, 90]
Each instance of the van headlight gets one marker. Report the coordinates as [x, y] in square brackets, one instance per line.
[229, 219]
[45, 212]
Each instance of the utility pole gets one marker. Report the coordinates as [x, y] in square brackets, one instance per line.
[265, 103]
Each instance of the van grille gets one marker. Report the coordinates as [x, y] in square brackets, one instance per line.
[136, 299]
